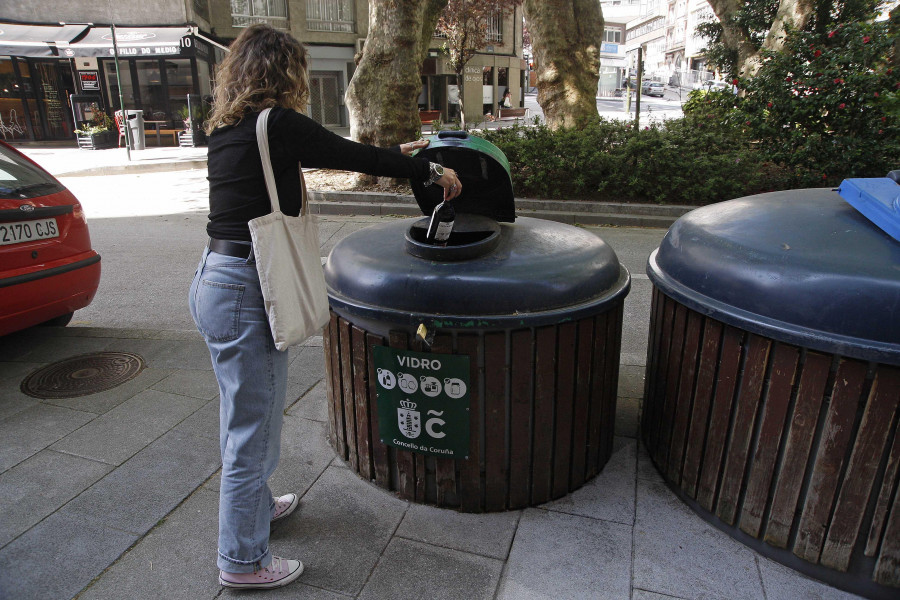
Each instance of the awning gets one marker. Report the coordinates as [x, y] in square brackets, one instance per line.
[36, 40]
[134, 42]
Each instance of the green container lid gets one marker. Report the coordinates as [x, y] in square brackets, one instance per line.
[483, 171]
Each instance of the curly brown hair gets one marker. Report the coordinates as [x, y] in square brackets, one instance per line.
[263, 68]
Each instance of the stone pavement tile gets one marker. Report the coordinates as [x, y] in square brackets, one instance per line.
[631, 381]
[16, 345]
[175, 561]
[122, 432]
[39, 485]
[295, 591]
[305, 454]
[35, 428]
[413, 570]
[153, 482]
[635, 323]
[487, 534]
[677, 553]
[780, 581]
[646, 470]
[637, 594]
[567, 556]
[610, 495]
[161, 354]
[189, 355]
[12, 400]
[307, 369]
[204, 422]
[59, 556]
[103, 402]
[627, 417]
[197, 384]
[343, 526]
[313, 404]
[17, 370]
[58, 348]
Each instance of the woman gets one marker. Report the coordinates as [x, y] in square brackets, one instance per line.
[264, 68]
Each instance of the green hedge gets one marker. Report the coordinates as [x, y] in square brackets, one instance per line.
[693, 160]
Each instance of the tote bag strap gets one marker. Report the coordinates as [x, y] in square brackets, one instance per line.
[262, 138]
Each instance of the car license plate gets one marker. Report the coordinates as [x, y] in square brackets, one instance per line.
[27, 231]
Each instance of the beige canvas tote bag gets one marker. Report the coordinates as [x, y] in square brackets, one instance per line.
[287, 259]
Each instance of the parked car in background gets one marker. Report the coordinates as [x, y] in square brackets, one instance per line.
[653, 88]
[47, 267]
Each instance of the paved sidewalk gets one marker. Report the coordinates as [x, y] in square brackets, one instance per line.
[114, 494]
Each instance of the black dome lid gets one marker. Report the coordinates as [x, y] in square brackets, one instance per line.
[541, 271]
[800, 266]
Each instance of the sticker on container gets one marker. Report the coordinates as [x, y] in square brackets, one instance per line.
[423, 401]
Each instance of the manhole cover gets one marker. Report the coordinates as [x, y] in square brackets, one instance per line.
[83, 375]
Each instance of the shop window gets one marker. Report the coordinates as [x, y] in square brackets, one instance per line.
[180, 84]
[247, 12]
[331, 15]
[12, 113]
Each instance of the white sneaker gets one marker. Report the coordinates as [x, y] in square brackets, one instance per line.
[280, 571]
[285, 505]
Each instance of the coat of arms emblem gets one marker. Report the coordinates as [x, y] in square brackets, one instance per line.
[409, 419]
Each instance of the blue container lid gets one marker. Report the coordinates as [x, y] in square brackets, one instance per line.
[800, 266]
[878, 199]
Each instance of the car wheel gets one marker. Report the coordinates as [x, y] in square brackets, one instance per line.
[60, 321]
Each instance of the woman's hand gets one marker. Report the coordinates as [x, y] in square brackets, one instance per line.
[408, 148]
[451, 184]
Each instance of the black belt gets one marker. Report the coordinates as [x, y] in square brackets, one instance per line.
[229, 248]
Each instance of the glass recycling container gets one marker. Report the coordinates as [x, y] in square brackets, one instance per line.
[772, 396]
[480, 375]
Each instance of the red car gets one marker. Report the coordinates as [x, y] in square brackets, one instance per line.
[47, 267]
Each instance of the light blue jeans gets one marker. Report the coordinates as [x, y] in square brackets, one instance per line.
[227, 306]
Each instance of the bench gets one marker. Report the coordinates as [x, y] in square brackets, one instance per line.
[513, 114]
[429, 118]
[156, 133]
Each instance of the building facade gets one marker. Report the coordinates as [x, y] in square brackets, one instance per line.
[165, 54]
[334, 32]
[167, 51]
[666, 30]
[613, 58]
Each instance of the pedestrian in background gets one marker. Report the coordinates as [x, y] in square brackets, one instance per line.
[265, 68]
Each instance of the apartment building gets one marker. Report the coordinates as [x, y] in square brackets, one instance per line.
[665, 29]
[168, 49]
[613, 58]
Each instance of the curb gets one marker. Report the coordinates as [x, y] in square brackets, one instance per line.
[159, 167]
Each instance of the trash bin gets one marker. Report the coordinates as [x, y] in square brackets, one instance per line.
[481, 375]
[773, 380]
[135, 120]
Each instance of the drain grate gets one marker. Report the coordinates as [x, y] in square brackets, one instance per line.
[83, 375]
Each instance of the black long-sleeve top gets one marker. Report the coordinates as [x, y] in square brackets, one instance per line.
[237, 187]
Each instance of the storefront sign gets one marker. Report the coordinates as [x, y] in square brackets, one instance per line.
[90, 80]
[423, 401]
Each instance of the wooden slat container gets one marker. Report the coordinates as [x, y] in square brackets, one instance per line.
[779, 425]
[538, 311]
[542, 412]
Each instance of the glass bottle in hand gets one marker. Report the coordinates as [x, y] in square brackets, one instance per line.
[441, 224]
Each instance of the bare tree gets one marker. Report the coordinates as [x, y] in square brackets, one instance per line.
[382, 96]
[464, 25]
[566, 36]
